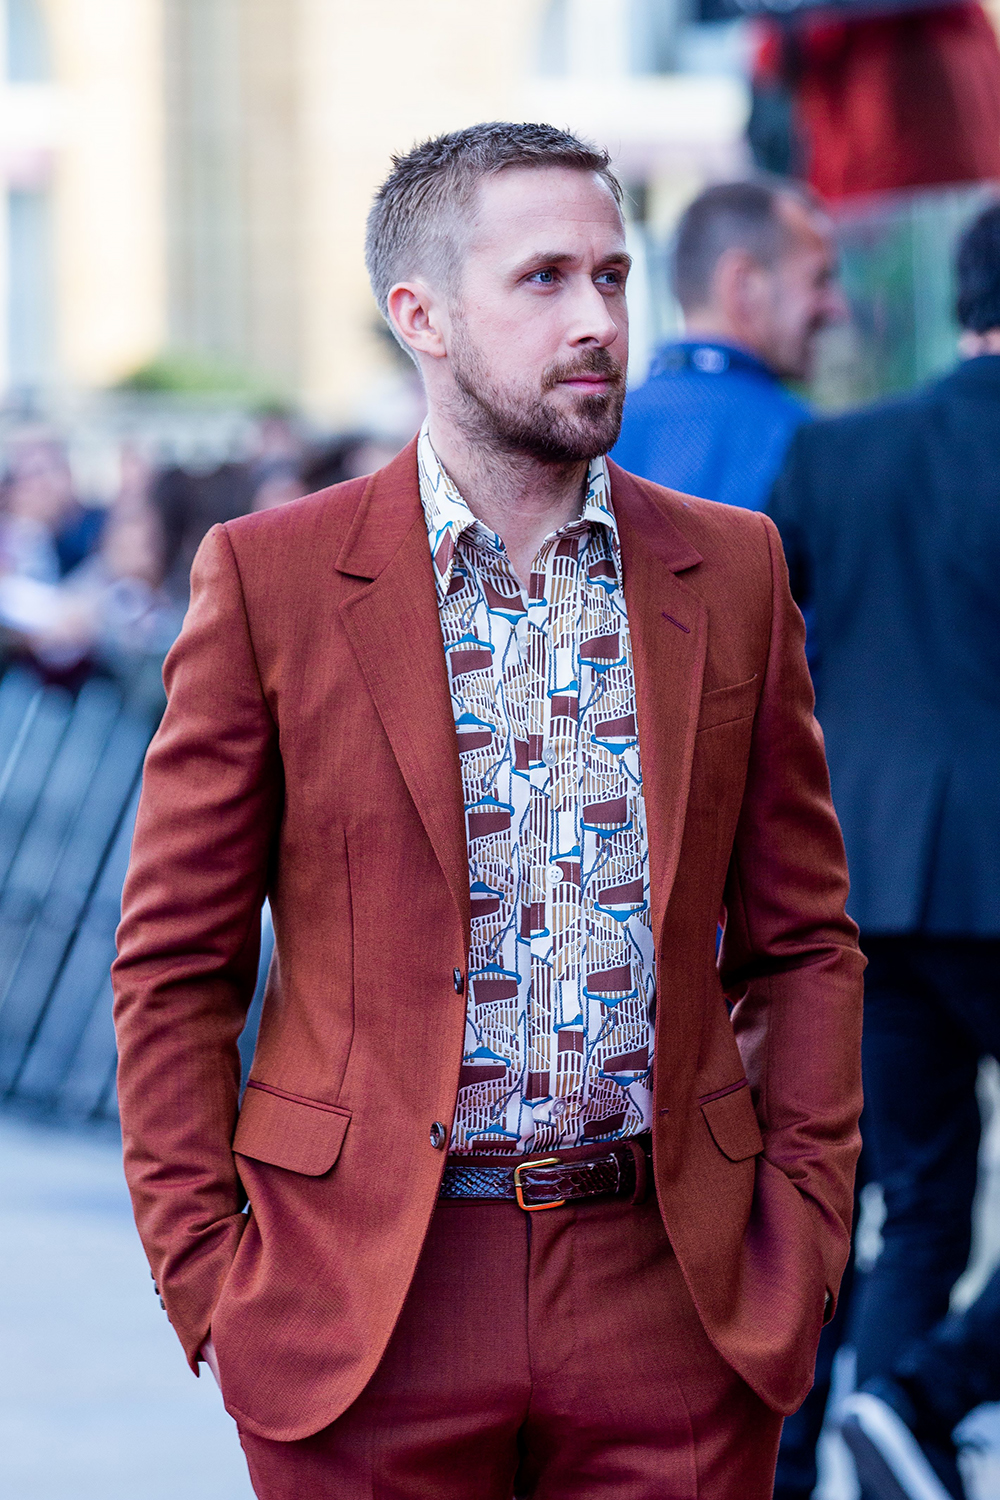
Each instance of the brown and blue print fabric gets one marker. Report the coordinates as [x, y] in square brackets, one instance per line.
[559, 1035]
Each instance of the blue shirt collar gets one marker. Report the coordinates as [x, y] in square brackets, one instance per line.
[707, 357]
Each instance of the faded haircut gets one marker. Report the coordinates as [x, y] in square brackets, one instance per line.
[416, 220]
[731, 215]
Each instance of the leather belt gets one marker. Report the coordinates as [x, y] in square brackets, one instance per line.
[617, 1169]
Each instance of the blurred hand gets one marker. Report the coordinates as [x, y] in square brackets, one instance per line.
[208, 1355]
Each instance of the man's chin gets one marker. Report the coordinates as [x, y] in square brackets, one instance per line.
[570, 448]
[590, 429]
[552, 427]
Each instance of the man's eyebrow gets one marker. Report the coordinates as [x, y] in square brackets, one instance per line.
[560, 257]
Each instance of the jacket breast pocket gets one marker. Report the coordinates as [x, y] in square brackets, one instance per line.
[286, 1130]
[732, 1119]
[724, 705]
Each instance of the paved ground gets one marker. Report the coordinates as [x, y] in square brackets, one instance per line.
[96, 1400]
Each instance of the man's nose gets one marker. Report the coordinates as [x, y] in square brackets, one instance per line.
[592, 324]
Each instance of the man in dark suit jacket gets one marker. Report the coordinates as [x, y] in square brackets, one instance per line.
[891, 522]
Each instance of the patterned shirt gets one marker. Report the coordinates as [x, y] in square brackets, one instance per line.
[559, 1035]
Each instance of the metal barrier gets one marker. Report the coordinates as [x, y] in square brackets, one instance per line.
[69, 783]
[70, 773]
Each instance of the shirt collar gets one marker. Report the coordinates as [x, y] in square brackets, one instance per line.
[447, 516]
[708, 357]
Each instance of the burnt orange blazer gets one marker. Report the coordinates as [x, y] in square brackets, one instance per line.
[308, 754]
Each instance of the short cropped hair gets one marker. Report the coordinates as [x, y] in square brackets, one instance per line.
[414, 222]
[730, 215]
[977, 265]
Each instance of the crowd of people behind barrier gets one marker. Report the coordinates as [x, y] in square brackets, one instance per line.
[100, 588]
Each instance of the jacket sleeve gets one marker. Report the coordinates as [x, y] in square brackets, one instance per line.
[789, 959]
[188, 944]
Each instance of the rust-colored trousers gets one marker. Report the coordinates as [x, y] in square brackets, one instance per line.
[555, 1355]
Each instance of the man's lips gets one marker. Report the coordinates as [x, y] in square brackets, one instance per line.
[590, 382]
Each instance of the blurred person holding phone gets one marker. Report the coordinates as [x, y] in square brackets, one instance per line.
[514, 1200]
[45, 534]
[755, 273]
[890, 519]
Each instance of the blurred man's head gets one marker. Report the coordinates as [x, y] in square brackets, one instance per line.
[977, 266]
[755, 265]
[40, 483]
[497, 256]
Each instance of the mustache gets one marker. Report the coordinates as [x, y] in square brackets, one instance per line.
[590, 362]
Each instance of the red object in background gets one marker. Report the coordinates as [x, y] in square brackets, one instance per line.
[887, 102]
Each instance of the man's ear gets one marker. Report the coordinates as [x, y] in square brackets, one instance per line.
[418, 315]
[738, 285]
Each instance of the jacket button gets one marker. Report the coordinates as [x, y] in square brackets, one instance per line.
[439, 1136]
[459, 981]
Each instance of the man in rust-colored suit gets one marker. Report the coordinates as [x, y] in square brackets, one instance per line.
[527, 1193]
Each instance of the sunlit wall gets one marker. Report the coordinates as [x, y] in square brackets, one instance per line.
[191, 177]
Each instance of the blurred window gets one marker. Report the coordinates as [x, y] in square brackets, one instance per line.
[653, 28]
[638, 35]
[30, 286]
[553, 42]
[27, 43]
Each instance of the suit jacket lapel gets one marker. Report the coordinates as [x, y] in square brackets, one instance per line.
[668, 625]
[394, 627]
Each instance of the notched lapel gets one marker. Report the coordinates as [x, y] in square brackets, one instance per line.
[394, 628]
[668, 626]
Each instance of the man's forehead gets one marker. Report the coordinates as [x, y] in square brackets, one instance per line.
[547, 204]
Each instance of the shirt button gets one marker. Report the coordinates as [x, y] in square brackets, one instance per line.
[439, 1136]
[558, 1107]
[555, 875]
[550, 755]
[459, 981]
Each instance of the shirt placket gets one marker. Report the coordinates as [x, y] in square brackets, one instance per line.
[543, 931]
[555, 968]
[513, 688]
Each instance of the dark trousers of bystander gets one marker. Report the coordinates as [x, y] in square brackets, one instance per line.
[932, 1012]
[555, 1355]
[957, 1366]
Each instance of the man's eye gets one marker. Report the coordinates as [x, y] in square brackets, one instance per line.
[545, 277]
[610, 278]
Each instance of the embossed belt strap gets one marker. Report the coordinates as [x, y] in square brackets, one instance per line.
[620, 1169]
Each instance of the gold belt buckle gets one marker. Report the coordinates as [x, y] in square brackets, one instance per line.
[534, 1208]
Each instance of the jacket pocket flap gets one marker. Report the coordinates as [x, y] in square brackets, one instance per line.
[723, 705]
[284, 1130]
[733, 1122]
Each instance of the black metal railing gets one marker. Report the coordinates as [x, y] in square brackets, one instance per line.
[69, 782]
[70, 772]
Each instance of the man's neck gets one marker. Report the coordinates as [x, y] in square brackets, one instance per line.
[521, 498]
